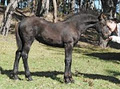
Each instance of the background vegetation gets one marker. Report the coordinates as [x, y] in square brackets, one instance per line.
[53, 9]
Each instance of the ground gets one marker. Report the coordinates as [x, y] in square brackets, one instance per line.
[92, 67]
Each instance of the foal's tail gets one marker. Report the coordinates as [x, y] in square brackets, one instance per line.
[18, 37]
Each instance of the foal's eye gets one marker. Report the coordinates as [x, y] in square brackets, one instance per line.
[102, 24]
[108, 27]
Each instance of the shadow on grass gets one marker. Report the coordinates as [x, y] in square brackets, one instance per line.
[50, 74]
[1, 70]
[99, 76]
[114, 73]
[53, 75]
[106, 56]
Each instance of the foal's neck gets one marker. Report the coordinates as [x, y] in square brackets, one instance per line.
[86, 25]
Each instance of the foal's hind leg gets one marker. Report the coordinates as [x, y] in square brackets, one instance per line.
[16, 63]
[25, 52]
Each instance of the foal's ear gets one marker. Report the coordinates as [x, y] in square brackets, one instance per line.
[102, 17]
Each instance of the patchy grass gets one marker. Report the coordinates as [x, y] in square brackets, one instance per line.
[92, 67]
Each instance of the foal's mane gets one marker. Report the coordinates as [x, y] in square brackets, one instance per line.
[83, 12]
[89, 11]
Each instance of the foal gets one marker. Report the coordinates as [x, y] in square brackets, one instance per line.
[61, 34]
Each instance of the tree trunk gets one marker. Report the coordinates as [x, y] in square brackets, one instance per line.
[64, 6]
[6, 22]
[79, 3]
[40, 8]
[55, 11]
[73, 5]
[47, 6]
[86, 4]
[2, 2]
[34, 2]
[109, 7]
[69, 6]
[8, 1]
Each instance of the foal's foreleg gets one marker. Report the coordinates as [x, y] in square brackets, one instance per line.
[68, 62]
[16, 63]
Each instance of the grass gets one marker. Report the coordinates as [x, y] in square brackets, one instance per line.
[92, 67]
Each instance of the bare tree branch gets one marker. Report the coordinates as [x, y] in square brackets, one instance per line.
[6, 22]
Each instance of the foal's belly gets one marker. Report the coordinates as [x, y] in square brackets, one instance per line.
[52, 41]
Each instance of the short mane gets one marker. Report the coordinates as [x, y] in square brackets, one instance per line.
[84, 13]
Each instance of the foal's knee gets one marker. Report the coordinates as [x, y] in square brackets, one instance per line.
[68, 60]
[24, 55]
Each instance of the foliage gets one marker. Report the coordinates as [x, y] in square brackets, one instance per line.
[43, 7]
[92, 67]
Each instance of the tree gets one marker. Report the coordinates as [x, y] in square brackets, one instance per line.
[55, 11]
[109, 7]
[2, 2]
[8, 1]
[73, 5]
[47, 6]
[6, 22]
[64, 6]
[41, 8]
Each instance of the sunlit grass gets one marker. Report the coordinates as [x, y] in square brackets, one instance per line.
[92, 67]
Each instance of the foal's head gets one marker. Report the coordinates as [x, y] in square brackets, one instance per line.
[102, 27]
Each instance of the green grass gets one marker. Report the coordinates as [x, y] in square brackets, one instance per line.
[92, 67]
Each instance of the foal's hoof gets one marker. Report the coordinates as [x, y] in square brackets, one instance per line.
[15, 77]
[29, 79]
[69, 80]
